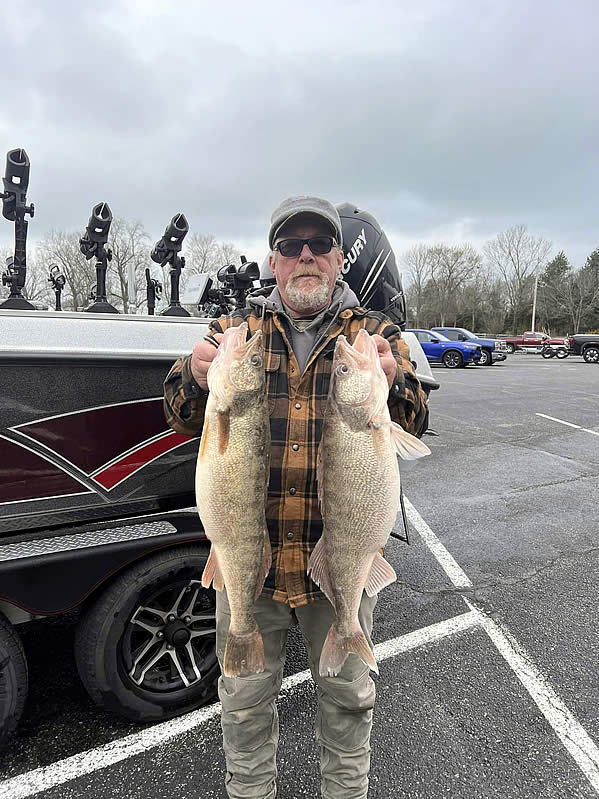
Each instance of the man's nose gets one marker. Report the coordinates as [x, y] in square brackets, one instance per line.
[306, 254]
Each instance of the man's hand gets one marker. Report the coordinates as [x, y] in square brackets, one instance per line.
[201, 358]
[388, 362]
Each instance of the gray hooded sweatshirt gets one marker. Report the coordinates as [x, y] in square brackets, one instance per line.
[305, 338]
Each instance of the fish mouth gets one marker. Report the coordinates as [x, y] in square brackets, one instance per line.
[234, 345]
[358, 357]
[233, 338]
[254, 346]
[359, 354]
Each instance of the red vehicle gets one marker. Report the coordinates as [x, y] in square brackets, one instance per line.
[531, 341]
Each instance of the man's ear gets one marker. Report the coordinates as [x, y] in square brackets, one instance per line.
[271, 263]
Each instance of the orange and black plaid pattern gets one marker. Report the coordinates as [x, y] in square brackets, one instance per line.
[297, 404]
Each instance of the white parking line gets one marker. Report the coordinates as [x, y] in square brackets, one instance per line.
[70, 768]
[569, 424]
[565, 725]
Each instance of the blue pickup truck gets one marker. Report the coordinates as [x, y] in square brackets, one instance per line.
[439, 349]
[492, 350]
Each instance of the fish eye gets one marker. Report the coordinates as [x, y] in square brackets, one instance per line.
[256, 360]
[342, 369]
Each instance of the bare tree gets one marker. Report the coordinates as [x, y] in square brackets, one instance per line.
[201, 254]
[518, 256]
[61, 248]
[451, 268]
[130, 245]
[416, 263]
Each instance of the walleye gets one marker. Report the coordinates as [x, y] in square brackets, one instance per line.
[358, 491]
[231, 483]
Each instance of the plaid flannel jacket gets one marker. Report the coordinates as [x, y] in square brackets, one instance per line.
[297, 403]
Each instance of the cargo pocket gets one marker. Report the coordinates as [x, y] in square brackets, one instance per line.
[273, 363]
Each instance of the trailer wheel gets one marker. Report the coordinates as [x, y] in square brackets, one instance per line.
[146, 648]
[511, 348]
[13, 680]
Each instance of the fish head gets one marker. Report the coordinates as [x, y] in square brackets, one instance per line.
[359, 388]
[238, 366]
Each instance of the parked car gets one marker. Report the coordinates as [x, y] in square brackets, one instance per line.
[492, 350]
[439, 349]
[531, 341]
[97, 509]
[585, 344]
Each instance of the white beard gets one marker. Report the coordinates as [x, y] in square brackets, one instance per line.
[308, 301]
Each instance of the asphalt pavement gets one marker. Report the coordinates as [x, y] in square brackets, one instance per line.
[488, 643]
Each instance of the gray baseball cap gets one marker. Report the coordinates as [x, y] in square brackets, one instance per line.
[294, 206]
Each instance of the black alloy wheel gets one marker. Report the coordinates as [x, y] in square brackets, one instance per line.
[452, 359]
[13, 680]
[591, 354]
[146, 648]
[486, 359]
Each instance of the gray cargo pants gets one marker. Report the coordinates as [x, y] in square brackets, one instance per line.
[250, 722]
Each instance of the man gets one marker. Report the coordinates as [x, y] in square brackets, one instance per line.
[301, 318]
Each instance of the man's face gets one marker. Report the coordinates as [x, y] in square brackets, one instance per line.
[306, 281]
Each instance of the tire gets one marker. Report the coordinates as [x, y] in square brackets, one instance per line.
[547, 353]
[561, 353]
[591, 353]
[13, 680]
[511, 348]
[486, 359]
[135, 649]
[452, 359]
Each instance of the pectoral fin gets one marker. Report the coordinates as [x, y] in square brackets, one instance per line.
[381, 574]
[406, 445]
[202, 451]
[212, 573]
[264, 566]
[318, 570]
[224, 428]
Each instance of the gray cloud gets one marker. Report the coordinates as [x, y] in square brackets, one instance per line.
[469, 116]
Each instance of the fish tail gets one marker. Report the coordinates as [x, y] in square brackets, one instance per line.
[245, 653]
[336, 649]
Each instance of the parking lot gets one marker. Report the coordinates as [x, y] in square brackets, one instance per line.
[488, 643]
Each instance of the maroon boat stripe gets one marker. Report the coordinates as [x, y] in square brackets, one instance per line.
[130, 463]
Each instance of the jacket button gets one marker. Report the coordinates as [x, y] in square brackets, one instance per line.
[292, 491]
[290, 536]
[295, 447]
[297, 405]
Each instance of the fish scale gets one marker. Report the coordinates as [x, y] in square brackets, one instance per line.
[359, 489]
[231, 480]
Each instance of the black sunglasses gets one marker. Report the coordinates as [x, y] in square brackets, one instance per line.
[319, 245]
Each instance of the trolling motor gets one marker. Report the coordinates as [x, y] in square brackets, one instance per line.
[236, 283]
[166, 251]
[93, 244]
[153, 292]
[58, 281]
[14, 208]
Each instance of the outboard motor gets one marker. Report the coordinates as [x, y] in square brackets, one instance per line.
[369, 265]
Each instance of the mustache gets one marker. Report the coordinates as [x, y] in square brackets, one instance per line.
[302, 271]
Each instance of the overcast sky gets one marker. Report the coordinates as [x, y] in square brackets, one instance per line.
[447, 120]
